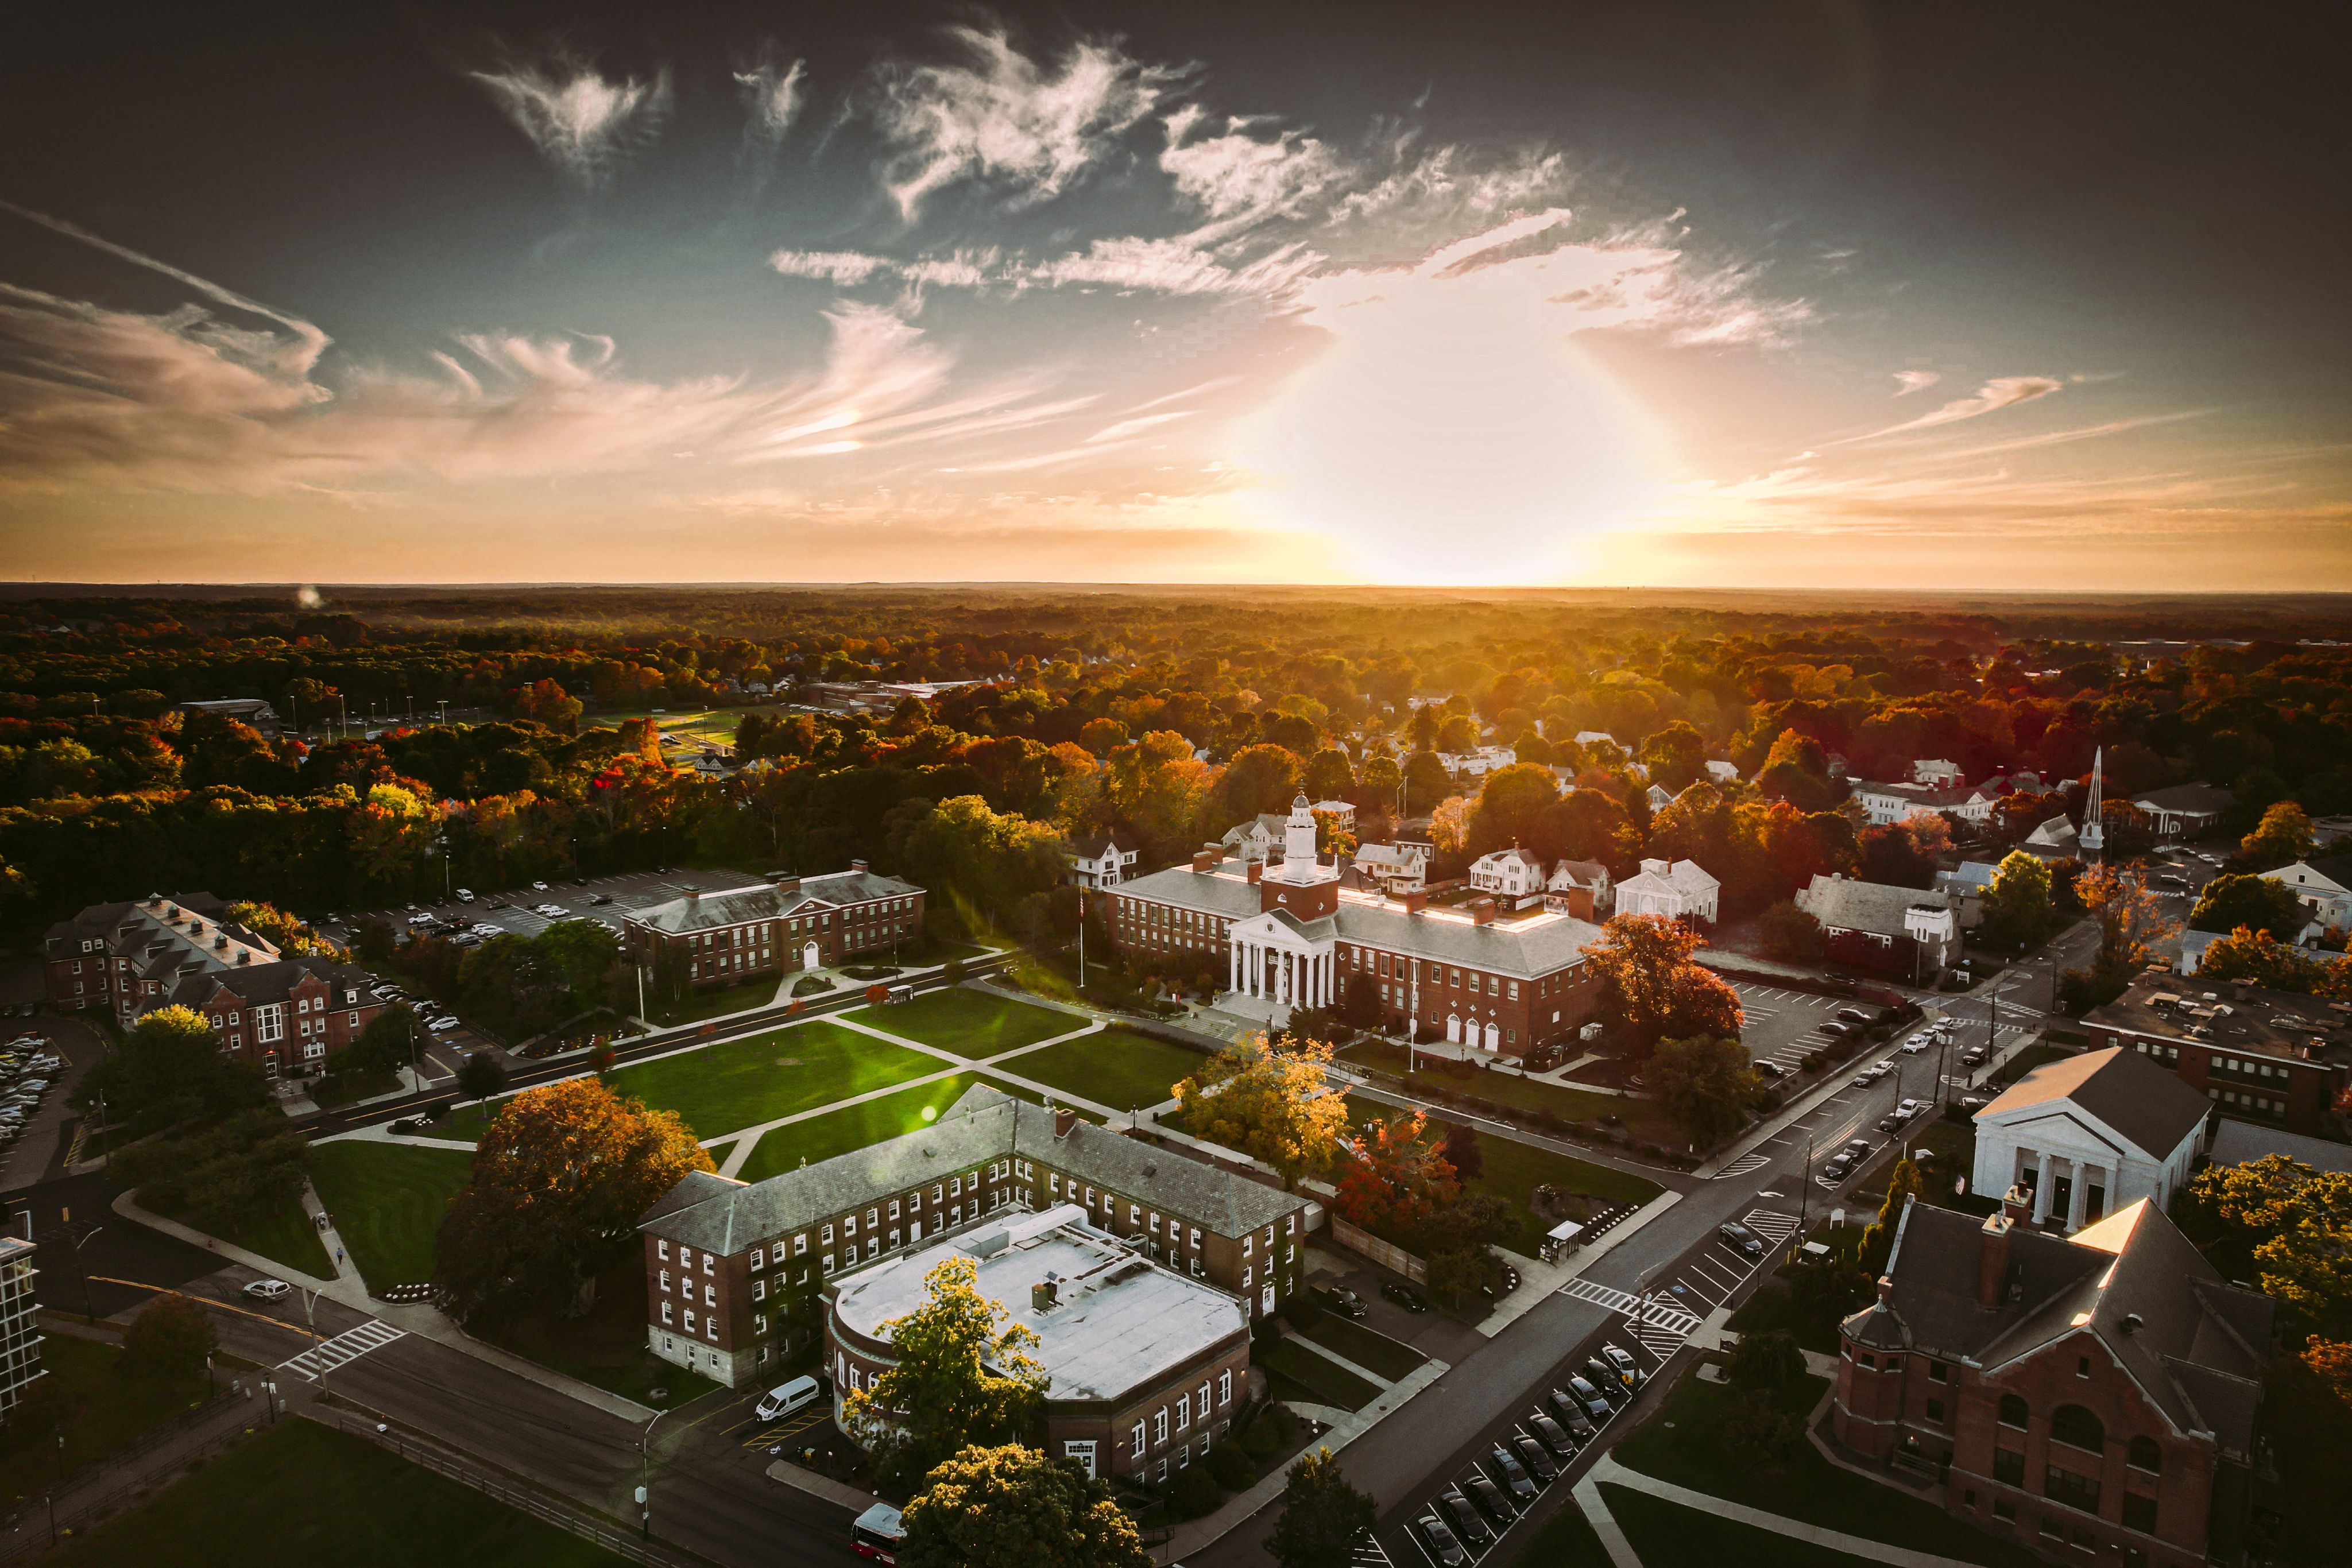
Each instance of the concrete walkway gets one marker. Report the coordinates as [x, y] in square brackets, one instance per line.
[1608, 1472]
[346, 1272]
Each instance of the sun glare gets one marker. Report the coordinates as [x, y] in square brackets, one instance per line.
[1453, 432]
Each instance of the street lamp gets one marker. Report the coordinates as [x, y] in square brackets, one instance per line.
[645, 1474]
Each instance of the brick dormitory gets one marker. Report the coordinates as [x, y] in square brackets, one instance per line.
[787, 924]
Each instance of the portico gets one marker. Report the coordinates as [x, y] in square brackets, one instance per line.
[2087, 1136]
[1278, 958]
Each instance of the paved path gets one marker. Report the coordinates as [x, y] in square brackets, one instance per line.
[1608, 1472]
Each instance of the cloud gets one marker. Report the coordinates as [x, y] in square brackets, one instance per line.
[1429, 185]
[2000, 393]
[999, 117]
[1239, 179]
[844, 267]
[582, 123]
[1908, 381]
[770, 92]
[1128, 264]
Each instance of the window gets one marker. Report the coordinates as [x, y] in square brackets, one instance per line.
[1936, 1411]
[2139, 1514]
[2145, 1455]
[2008, 1467]
[1135, 1441]
[709, 1295]
[1183, 1414]
[689, 1320]
[666, 1311]
[1938, 1373]
[709, 1263]
[1203, 1399]
[2073, 1490]
[2082, 1366]
[2004, 1508]
[1160, 1424]
[665, 1280]
[800, 1245]
[1224, 1387]
[2078, 1428]
[759, 1290]
[2013, 1411]
[828, 1236]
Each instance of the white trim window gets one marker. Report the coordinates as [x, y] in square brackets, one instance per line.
[1135, 1441]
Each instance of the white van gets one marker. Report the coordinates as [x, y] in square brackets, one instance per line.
[465, 895]
[782, 1401]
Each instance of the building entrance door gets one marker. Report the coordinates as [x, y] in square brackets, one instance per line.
[809, 956]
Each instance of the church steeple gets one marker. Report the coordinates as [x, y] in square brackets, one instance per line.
[2093, 834]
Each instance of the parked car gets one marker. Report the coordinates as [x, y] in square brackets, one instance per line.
[1771, 1069]
[1836, 1031]
[1863, 1016]
[785, 1398]
[1862, 1080]
[1335, 1299]
[1915, 1045]
[1910, 1108]
[1838, 1169]
[268, 1289]
[1444, 1548]
[1537, 1460]
[1570, 1412]
[442, 1025]
[1512, 1476]
[465, 895]
[1622, 1360]
[1607, 1380]
[552, 911]
[1858, 1148]
[600, 898]
[1590, 1398]
[1740, 1239]
[1467, 1522]
[1553, 1436]
[1404, 1296]
[1490, 1501]
[538, 887]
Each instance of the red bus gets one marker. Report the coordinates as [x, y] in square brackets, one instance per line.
[877, 1532]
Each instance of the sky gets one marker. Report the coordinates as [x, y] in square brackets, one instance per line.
[1806, 295]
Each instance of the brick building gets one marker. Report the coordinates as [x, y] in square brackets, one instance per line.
[735, 1272]
[2274, 1057]
[285, 1017]
[791, 924]
[1146, 1364]
[2095, 1397]
[1290, 936]
[129, 957]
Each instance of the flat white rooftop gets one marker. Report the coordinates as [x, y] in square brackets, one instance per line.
[1119, 1321]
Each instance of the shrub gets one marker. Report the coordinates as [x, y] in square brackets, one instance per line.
[1231, 1464]
[952, 971]
[1261, 1442]
[1194, 1493]
[169, 1339]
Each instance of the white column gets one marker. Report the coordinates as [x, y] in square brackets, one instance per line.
[1233, 967]
[2041, 1187]
[2078, 1197]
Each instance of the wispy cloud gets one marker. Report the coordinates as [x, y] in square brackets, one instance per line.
[1909, 381]
[1240, 179]
[770, 93]
[999, 117]
[2000, 393]
[1127, 265]
[581, 121]
[844, 267]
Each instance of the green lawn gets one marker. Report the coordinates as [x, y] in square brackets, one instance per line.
[1329, 1384]
[285, 1236]
[1642, 1117]
[717, 1002]
[969, 1023]
[1566, 1540]
[1667, 1535]
[1372, 1351]
[1117, 1067]
[1682, 1443]
[870, 1121]
[103, 1407]
[1512, 1170]
[1775, 1307]
[387, 1200]
[298, 1494]
[608, 1347]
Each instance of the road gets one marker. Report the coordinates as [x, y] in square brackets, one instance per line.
[1646, 1296]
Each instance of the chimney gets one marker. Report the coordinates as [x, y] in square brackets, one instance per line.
[693, 894]
[1992, 1260]
[1257, 870]
[858, 866]
[1482, 912]
[1044, 1294]
[1415, 902]
[2017, 1206]
[1064, 1118]
[788, 884]
[1887, 1290]
[1204, 861]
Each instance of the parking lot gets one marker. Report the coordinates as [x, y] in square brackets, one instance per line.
[1783, 1026]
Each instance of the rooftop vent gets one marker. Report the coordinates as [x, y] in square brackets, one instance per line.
[2133, 1323]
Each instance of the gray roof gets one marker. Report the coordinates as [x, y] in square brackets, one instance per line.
[2337, 868]
[159, 935]
[2187, 798]
[2242, 1142]
[1842, 904]
[1540, 945]
[735, 905]
[267, 982]
[2197, 1349]
[2153, 1108]
[986, 1124]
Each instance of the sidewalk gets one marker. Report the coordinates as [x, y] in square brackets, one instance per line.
[1608, 1472]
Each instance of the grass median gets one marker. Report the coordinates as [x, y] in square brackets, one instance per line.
[386, 1200]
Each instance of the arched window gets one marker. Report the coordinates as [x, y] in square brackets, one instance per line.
[2012, 1410]
[2146, 1456]
[2077, 1428]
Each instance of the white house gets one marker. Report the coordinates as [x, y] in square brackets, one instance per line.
[1580, 888]
[2322, 886]
[1478, 763]
[1512, 872]
[1587, 736]
[1342, 813]
[1679, 890]
[1936, 772]
[1883, 912]
[1885, 803]
[1101, 862]
[1254, 839]
[1721, 772]
[1400, 867]
[1658, 797]
[2088, 1134]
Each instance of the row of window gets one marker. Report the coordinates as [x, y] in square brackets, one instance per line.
[2261, 1105]
[1183, 1416]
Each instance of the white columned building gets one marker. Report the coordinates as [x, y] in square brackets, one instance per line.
[1285, 956]
[2088, 1134]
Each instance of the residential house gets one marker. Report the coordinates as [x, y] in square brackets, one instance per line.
[1101, 860]
[1581, 888]
[1908, 933]
[1397, 868]
[2322, 886]
[1888, 803]
[1937, 773]
[1511, 874]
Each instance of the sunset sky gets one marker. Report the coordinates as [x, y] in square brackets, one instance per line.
[1754, 295]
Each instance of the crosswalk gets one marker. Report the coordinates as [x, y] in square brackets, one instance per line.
[345, 1347]
[1368, 1552]
[1659, 1325]
[1745, 1164]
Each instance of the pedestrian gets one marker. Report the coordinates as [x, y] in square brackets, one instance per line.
[338, 1257]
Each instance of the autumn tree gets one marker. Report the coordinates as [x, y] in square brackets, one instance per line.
[170, 1068]
[1269, 1100]
[1426, 782]
[2130, 919]
[560, 1178]
[1259, 778]
[1011, 1507]
[2258, 958]
[1652, 987]
[962, 1378]
[1460, 1148]
[1791, 935]
[2284, 836]
[2291, 1228]
[2018, 905]
[1675, 757]
[1329, 776]
[1513, 807]
[1394, 1178]
[1324, 1519]
[1705, 1083]
[1878, 1236]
